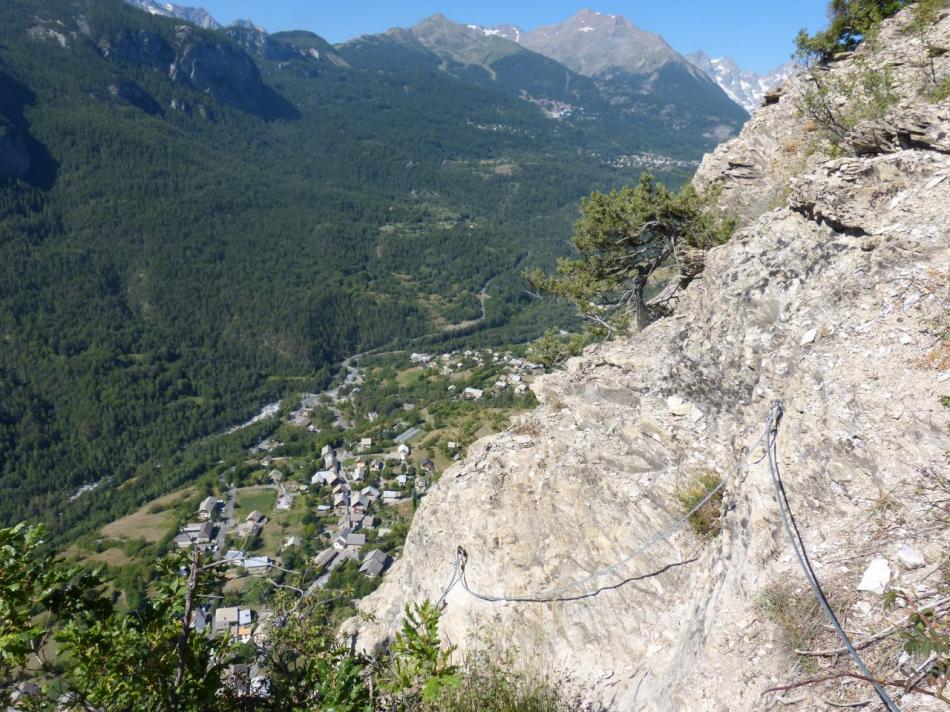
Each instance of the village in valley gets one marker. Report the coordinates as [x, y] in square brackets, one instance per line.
[327, 494]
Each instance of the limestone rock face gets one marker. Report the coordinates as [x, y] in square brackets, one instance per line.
[833, 304]
[197, 59]
[780, 142]
[219, 69]
[913, 127]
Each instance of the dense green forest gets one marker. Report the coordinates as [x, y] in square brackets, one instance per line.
[193, 222]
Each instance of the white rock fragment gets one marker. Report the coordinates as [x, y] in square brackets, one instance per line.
[910, 557]
[876, 577]
[808, 337]
[934, 182]
[677, 406]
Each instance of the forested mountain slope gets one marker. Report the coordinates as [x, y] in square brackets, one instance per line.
[192, 221]
[671, 107]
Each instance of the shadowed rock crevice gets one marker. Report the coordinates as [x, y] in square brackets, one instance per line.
[21, 155]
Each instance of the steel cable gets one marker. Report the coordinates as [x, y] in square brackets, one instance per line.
[798, 545]
[564, 593]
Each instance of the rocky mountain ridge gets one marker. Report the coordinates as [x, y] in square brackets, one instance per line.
[614, 72]
[195, 15]
[833, 298]
[630, 47]
[626, 75]
[743, 86]
[591, 42]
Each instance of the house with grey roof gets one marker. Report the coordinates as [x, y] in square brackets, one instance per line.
[325, 558]
[207, 508]
[258, 565]
[375, 563]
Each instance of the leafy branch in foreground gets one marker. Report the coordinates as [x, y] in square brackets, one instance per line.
[420, 665]
[155, 658]
[37, 593]
[927, 638]
[623, 238]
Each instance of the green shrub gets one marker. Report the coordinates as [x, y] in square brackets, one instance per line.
[706, 521]
[553, 349]
[940, 91]
[850, 23]
[868, 93]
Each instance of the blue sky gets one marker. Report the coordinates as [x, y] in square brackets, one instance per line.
[757, 34]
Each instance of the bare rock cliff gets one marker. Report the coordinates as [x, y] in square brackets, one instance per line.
[835, 303]
[782, 140]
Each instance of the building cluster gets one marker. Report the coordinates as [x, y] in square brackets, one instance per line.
[652, 160]
[200, 533]
[555, 109]
[354, 508]
[516, 370]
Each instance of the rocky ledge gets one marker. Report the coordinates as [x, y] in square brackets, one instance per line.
[834, 303]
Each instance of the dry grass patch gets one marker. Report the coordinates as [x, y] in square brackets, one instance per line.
[233, 585]
[111, 557]
[798, 617]
[938, 358]
[150, 522]
[792, 607]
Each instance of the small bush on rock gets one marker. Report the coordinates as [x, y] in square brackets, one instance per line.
[706, 521]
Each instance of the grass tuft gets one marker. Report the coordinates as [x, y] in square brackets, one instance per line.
[706, 521]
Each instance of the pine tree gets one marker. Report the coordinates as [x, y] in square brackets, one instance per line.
[623, 238]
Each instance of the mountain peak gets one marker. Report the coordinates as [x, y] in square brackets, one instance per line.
[743, 86]
[600, 19]
[247, 24]
[436, 20]
[592, 42]
[195, 15]
[466, 44]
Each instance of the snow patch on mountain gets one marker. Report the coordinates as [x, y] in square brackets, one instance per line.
[195, 15]
[743, 86]
[487, 31]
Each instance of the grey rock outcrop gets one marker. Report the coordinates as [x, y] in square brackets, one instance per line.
[197, 59]
[911, 127]
[228, 74]
[196, 15]
[142, 47]
[780, 142]
[833, 304]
